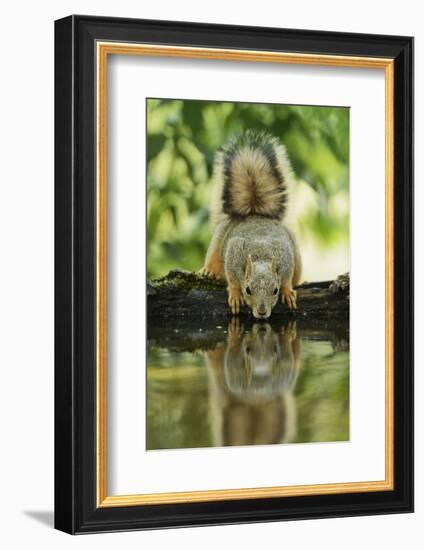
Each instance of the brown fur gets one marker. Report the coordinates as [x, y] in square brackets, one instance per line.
[255, 189]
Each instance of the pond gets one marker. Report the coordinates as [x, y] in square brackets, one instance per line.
[247, 384]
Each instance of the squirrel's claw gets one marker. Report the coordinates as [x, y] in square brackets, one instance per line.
[235, 300]
[204, 272]
[288, 296]
[235, 304]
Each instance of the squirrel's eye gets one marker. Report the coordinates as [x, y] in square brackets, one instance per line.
[275, 290]
[248, 290]
[248, 350]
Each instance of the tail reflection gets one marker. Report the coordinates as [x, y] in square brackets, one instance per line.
[252, 379]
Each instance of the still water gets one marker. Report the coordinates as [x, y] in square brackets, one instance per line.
[247, 385]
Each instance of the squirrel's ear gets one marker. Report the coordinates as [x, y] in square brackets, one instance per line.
[274, 265]
[249, 267]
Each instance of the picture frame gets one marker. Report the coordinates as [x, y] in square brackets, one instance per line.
[83, 45]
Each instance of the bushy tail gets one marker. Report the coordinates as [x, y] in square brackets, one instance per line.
[253, 171]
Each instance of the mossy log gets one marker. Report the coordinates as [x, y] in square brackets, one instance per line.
[186, 295]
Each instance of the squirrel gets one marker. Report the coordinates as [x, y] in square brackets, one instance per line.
[250, 248]
[252, 379]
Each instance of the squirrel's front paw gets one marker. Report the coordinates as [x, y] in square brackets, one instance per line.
[235, 300]
[204, 272]
[288, 296]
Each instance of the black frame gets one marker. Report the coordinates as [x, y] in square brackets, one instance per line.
[75, 274]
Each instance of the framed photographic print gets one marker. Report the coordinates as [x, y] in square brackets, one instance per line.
[234, 268]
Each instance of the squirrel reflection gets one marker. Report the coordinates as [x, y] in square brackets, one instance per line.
[252, 379]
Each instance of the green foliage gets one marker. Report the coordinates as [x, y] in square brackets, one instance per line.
[182, 137]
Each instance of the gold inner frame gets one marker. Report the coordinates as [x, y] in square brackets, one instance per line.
[104, 49]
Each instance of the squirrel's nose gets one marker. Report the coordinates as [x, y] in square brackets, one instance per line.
[262, 309]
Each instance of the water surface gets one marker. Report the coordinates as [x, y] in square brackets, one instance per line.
[265, 383]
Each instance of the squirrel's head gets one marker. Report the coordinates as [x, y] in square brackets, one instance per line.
[261, 287]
